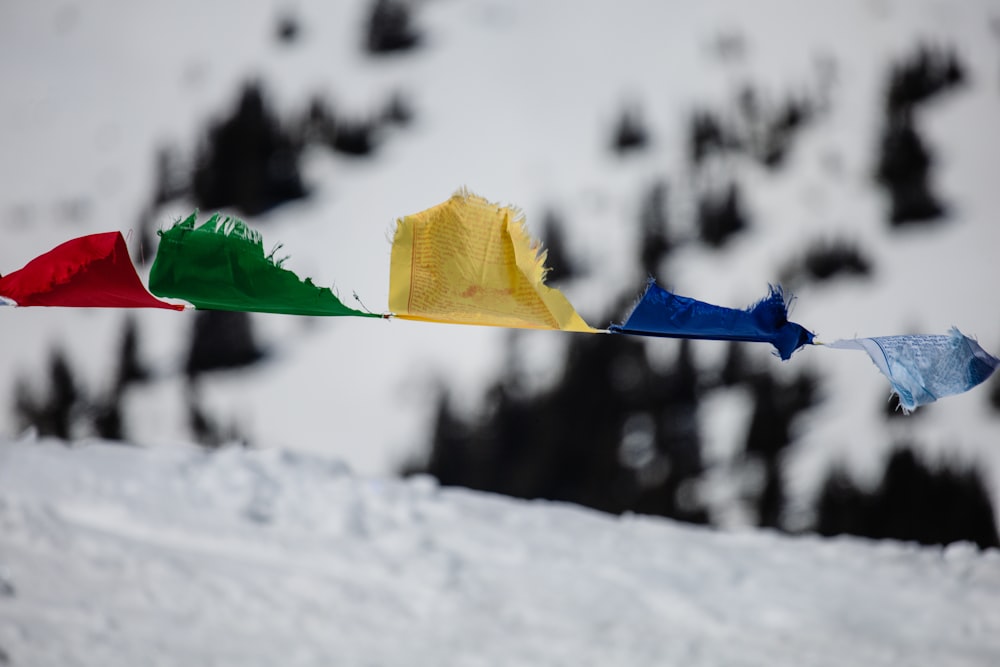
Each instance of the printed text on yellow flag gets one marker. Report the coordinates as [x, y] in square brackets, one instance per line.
[468, 261]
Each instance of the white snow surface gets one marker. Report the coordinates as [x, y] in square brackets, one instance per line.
[118, 555]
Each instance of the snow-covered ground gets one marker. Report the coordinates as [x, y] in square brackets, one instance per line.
[116, 555]
[515, 100]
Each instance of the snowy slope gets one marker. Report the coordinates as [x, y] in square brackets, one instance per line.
[116, 555]
[515, 100]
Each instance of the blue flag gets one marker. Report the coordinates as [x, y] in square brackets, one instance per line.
[923, 369]
[665, 314]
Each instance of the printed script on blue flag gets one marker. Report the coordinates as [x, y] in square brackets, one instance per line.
[923, 369]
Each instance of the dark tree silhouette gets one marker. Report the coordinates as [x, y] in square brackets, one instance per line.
[904, 170]
[130, 368]
[995, 392]
[398, 110]
[390, 27]
[108, 420]
[107, 414]
[761, 130]
[353, 137]
[558, 260]
[287, 28]
[735, 369]
[913, 502]
[344, 135]
[576, 441]
[720, 215]
[780, 128]
[205, 429]
[630, 131]
[926, 73]
[453, 452]
[67, 409]
[248, 161]
[221, 339]
[893, 409]
[170, 178]
[775, 407]
[654, 236]
[55, 414]
[708, 135]
[826, 259]
[904, 162]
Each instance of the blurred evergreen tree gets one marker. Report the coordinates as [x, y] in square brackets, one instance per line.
[708, 135]
[343, 135]
[390, 27]
[287, 28]
[927, 72]
[654, 234]
[827, 259]
[913, 502]
[55, 414]
[130, 367]
[557, 259]
[248, 161]
[221, 339]
[205, 429]
[904, 170]
[720, 215]
[904, 163]
[576, 440]
[630, 131]
[776, 405]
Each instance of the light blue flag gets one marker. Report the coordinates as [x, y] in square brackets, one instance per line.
[923, 369]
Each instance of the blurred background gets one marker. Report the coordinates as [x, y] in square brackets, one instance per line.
[846, 150]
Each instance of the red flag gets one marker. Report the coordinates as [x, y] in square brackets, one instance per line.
[92, 271]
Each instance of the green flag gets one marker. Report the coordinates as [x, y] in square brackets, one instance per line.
[221, 265]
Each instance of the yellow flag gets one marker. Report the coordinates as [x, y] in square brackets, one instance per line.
[468, 261]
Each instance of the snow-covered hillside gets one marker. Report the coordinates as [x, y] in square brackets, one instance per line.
[516, 101]
[116, 555]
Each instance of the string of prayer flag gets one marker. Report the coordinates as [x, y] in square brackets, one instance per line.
[465, 261]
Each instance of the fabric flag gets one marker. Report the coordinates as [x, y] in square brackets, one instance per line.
[923, 369]
[468, 261]
[221, 265]
[663, 313]
[93, 271]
